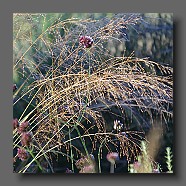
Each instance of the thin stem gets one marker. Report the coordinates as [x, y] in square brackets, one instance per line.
[112, 167]
[99, 159]
[37, 162]
[71, 152]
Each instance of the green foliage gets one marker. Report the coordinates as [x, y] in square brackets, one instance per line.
[145, 163]
[169, 157]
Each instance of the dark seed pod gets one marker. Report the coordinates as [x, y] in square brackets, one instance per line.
[14, 87]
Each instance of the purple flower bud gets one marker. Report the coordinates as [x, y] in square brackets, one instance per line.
[68, 171]
[22, 154]
[26, 138]
[23, 126]
[15, 123]
[136, 165]
[112, 157]
[156, 171]
[86, 41]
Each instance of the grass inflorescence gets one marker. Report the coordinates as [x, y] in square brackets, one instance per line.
[72, 90]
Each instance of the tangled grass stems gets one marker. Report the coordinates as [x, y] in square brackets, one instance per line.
[81, 83]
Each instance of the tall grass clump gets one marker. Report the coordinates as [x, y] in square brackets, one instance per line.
[75, 101]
